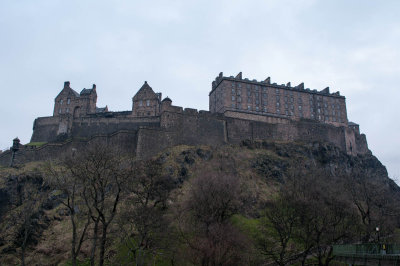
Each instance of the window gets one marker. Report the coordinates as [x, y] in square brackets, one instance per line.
[67, 110]
[68, 101]
[233, 105]
[59, 111]
[277, 91]
[233, 90]
[239, 99]
[61, 101]
[257, 101]
[233, 84]
[278, 111]
[257, 109]
[248, 92]
[256, 94]
[148, 102]
[233, 98]
[256, 88]
[140, 103]
[277, 98]
[264, 95]
[249, 107]
[300, 107]
[277, 104]
[239, 91]
[265, 109]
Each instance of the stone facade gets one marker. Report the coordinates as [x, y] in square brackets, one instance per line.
[154, 125]
[146, 102]
[248, 97]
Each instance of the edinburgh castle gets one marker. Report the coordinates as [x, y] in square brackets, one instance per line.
[239, 109]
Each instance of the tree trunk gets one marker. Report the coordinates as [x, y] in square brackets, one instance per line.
[94, 242]
[103, 245]
[73, 244]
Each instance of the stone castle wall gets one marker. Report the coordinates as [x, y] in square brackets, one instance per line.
[145, 137]
[50, 129]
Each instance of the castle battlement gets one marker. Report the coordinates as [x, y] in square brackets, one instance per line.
[240, 109]
[267, 82]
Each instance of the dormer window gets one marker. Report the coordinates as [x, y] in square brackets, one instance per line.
[68, 101]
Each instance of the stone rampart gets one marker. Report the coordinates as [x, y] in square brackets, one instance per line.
[149, 135]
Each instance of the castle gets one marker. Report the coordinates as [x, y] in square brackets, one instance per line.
[239, 109]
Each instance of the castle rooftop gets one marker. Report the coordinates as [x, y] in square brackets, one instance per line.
[267, 82]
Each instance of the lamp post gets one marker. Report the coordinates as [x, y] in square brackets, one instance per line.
[377, 232]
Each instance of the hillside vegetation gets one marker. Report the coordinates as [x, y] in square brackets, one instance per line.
[258, 203]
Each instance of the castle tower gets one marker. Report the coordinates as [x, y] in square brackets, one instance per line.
[146, 102]
[70, 103]
[66, 101]
[88, 100]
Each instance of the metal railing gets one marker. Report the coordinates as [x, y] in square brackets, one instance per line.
[366, 249]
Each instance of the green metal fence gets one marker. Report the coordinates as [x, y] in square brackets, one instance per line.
[364, 249]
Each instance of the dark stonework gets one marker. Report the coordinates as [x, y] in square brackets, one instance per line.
[167, 125]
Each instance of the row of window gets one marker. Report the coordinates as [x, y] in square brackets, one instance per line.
[68, 101]
[66, 110]
[147, 103]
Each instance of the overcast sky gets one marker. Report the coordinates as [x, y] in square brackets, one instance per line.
[179, 47]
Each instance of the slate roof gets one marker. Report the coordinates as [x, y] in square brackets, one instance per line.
[101, 109]
[86, 91]
[74, 92]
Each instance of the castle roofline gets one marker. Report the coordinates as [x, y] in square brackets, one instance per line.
[146, 87]
[267, 82]
[88, 91]
[167, 99]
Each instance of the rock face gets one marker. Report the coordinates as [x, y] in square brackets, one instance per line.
[261, 166]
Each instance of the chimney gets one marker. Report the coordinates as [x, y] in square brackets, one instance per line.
[268, 80]
[94, 87]
[66, 84]
[288, 84]
[239, 76]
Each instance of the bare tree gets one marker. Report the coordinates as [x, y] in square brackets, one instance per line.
[61, 177]
[373, 199]
[102, 172]
[142, 221]
[23, 218]
[277, 229]
[204, 220]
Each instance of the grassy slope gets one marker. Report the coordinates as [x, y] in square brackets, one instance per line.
[262, 167]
